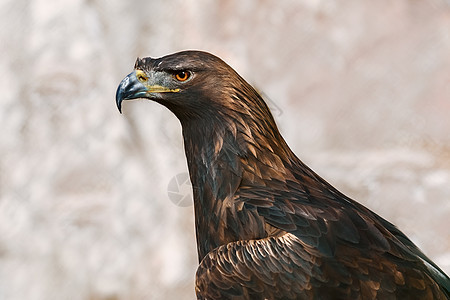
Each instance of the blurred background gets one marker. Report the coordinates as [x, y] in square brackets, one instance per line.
[95, 205]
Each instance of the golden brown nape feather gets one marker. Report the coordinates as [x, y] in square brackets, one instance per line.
[267, 226]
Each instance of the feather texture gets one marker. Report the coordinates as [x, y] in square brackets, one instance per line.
[267, 226]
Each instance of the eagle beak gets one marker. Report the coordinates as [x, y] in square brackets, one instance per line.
[130, 88]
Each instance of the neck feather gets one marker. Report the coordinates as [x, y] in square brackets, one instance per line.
[237, 147]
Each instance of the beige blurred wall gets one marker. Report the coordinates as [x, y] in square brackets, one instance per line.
[360, 90]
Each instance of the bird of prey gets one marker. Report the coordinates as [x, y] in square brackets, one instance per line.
[267, 226]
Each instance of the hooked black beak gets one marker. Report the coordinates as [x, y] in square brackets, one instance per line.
[130, 88]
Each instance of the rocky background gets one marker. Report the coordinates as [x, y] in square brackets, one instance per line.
[95, 205]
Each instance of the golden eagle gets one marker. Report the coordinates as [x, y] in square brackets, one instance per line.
[267, 226]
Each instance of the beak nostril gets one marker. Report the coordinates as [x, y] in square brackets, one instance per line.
[141, 76]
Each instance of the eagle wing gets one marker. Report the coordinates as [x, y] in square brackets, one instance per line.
[284, 267]
[323, 245]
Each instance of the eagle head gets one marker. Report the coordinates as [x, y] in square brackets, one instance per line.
[189, 83]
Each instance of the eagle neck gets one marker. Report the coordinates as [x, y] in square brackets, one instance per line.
[214, 160]
[221, 153]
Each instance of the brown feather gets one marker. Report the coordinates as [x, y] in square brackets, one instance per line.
[267, 226]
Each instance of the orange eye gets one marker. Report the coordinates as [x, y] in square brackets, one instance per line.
[182, 76]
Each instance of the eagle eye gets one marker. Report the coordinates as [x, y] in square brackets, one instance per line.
[182, 75]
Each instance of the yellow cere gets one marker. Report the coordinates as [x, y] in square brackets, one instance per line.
[143, 78]
[160, 89]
